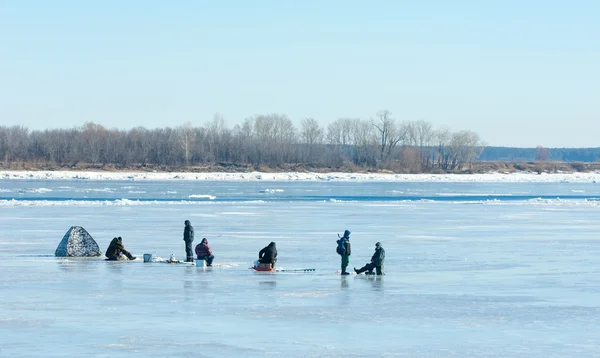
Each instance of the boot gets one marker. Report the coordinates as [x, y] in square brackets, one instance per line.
[344, 270]
[361, 270]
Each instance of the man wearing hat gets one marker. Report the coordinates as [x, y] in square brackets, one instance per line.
[344, 250]
[376, 262]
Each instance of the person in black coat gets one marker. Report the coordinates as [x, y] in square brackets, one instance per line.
[376, 262]
[116, 250]
[268, 255]
[188, 238]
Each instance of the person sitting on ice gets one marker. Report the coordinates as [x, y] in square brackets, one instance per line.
[376, 262]
[116, 250]
[268, 255]
[203, 252]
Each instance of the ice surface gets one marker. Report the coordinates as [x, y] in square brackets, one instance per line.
[515, 276]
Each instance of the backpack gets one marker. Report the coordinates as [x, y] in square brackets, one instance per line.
[340, 249]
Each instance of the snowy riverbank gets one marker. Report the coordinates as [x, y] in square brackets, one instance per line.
[305, 176]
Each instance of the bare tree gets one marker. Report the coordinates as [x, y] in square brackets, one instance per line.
[363, 142]
[243, 143]
[61, 146]
[186, 136]
[388, 133]
[93, 143]
[423, 132]
[269, 139]
[338, 132]
[311, 136]
[442, 138]
[217, 139]
[465, 146]
[140, 145]
[351, 140]
[339, 138]
[15, 143]
[285, 136]
[541, 153]
[165, 148]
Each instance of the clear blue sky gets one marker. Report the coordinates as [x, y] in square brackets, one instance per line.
[519, 73]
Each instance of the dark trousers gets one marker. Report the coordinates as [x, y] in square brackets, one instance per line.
[369, 267]
[208, 259]
[345, 262]
[189, 252]
[265, 260]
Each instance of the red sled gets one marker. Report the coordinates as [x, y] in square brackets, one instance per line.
[263, 268]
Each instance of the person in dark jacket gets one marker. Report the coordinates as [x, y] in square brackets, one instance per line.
[376, 262]
[188, 238]
[344, 250]
[203, 252]
[116, 250]
[268, 255]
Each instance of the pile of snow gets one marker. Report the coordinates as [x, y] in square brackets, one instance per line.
[592, 177]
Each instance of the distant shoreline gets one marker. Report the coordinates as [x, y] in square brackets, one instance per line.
[493, 177]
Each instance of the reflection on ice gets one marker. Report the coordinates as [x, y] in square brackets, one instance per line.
[270, 285]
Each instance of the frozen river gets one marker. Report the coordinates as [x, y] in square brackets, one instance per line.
[472, 270]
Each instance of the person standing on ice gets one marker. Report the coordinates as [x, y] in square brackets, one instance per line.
[116, 250]
[376, 262]
[344, 250]
[268, 255]
[188, 238]
[203, 252]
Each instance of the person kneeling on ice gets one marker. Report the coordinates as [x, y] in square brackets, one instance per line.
[376, 262]
[116, 250]
[203, 252]
[268, 255]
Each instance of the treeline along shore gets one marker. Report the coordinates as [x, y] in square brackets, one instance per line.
[270, 143]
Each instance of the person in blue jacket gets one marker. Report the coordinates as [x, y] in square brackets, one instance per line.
[344, 249]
